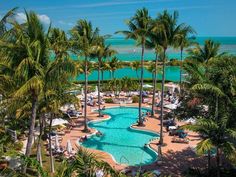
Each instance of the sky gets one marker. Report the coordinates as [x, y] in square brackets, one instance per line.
[207, 17]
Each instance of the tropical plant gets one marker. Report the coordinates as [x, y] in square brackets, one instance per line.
[153, 42]
[115, 86]
[103, 51]
[135, 65]
[206, 53]
[168, 29]
[27, 57]
[114, 64]
[6, 19]
[104, 67]
[84, 38]
[183, 41]
[128, 84]
[215, 134]
[139, 26]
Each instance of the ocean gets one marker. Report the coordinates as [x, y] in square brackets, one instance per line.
[128, 51]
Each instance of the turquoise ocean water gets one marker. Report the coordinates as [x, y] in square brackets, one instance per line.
[128, 51]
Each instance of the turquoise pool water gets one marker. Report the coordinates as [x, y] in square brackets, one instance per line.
[123, 143]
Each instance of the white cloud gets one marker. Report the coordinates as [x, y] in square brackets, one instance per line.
[21, 18]
[44, 19]
[65, 23]
[103, 4]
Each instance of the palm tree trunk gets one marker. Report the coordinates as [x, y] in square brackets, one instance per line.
[180, 78]
[50, 145]
[140, 122]
[99, 97]
[85, 95]
[218, 161]
[154, 88]
[39, 152]
[102, 72]
[162, 98]
[209, 161]
[32, 125]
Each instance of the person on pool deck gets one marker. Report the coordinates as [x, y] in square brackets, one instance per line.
[104, 107]
[148, 114]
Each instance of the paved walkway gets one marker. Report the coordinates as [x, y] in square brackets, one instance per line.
[176, 156]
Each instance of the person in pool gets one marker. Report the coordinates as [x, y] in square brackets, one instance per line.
[99, 133]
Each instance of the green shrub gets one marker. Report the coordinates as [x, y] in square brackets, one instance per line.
[108, 100]
[135, 99]
[18, 145]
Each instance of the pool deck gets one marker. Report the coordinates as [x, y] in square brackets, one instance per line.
[176, 156]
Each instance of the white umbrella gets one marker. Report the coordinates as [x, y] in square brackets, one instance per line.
[170, 106]
[147, 86]
[99, 173]
[58, 121]
[56, 142]
[96, 89]
[82, 91]
[69, 147]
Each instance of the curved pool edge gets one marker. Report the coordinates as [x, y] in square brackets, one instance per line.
[131, 127]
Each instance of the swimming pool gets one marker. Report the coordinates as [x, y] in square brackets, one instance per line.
[125, 144]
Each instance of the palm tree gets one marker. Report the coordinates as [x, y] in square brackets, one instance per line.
[215, 135]
[183, 41]
[84, 38]
[27, 55]
[87, 164]
[153, 42]
[168, 30]
[135, 65]
[5, 19]
[104, 67]
[139, 26]
[115, 86]
[206, 53]
[114, 64]
[102, 51]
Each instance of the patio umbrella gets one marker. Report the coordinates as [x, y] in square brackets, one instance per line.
[147, 86]
[57, 142]
[99, 173]
[82, 91]
[58, 121]
[69, 147]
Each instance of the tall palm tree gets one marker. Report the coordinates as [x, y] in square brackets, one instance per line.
[153, 42]
[104, 67]
[28, 59]
[168, 29]
[135, 65]
[27, 56]
[102, 51]
[183, 41]
[84, 38]
[114, 64]
[204, 54]
[139, 27]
